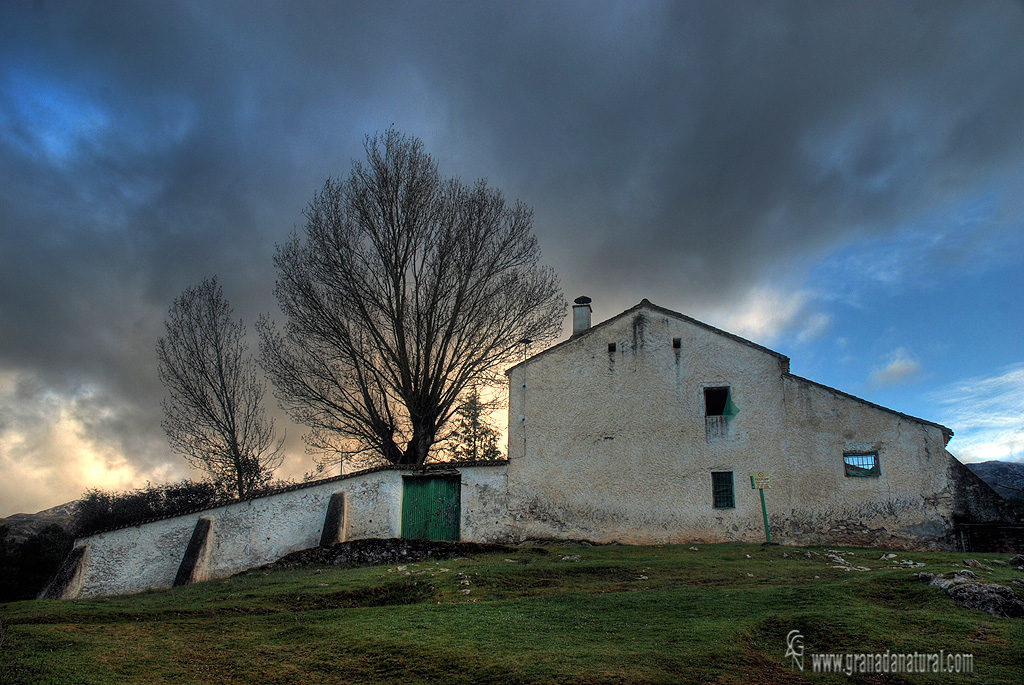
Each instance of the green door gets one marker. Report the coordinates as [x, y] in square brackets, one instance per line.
[430, 507]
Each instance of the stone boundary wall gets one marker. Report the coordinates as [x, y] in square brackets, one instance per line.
[219, 542]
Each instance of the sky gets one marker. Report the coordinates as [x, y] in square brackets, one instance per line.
[839, 181]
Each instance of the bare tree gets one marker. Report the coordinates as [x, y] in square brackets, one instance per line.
[405, 289]
[214, 415]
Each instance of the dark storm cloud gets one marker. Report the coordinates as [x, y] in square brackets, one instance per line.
[679, 149]
[708, 144]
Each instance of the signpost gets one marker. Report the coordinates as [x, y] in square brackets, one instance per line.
[759, 481]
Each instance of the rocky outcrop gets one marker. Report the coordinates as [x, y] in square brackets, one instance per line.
[1006, 478]
[967, 590]
[23, 526]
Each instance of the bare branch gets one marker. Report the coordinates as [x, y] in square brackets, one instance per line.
[404, 290]
[214, 412]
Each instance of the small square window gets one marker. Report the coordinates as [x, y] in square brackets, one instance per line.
[611, 347]
[861, 465]
[677, 343]
[715, 401]
[722, 490]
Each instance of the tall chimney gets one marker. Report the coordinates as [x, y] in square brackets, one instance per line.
[581, 315]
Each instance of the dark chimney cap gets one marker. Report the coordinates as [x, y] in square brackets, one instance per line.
[582, 300]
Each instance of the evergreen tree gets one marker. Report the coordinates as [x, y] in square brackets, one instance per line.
[474, 437]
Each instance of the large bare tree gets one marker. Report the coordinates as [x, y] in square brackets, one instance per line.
[405, 290]
[214, 414]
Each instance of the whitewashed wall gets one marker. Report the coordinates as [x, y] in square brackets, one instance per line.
[611, 446]
[256, 532]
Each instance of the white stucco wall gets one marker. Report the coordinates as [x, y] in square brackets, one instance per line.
[908, 503]
[260, 531]
[614, 446]
[484, 515]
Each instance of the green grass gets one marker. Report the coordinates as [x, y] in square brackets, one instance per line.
[620, 614]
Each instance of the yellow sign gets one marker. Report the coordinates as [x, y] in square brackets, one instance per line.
[759, 480]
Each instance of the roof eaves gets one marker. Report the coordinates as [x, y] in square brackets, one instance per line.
[719, 331]
[947, 431]
[574, 338]
[647, 303]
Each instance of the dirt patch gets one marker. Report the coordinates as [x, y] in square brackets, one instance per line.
[378, 551]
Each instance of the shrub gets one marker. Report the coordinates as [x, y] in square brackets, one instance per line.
[26, 566]
[99, 510]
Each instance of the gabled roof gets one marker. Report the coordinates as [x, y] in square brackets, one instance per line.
[645, 303]
[946, 431]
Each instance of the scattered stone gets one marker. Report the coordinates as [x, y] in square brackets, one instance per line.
[962, 586]
[1017, 560]
[695, 549]
[747, 555]
[750, 575]
[465, 592]
[996, 562]
[808, 555]
[377, 551]
[836, 559]
[785, 556]
[974, 563]
[886, 557]
[571, 557]
[642, 578]
[1019, 582]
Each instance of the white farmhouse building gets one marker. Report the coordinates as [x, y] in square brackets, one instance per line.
[646, 428]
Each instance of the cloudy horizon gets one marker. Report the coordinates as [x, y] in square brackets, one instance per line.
[840, 182]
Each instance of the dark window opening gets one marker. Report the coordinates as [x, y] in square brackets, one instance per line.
[722, 490]
[677, 343]
[611, 347]
[715, 400]
[864, 465]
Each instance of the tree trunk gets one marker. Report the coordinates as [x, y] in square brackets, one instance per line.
[419, 446]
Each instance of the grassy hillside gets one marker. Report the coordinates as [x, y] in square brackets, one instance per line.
[618, 614]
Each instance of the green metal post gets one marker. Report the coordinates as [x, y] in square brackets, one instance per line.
[764, 512]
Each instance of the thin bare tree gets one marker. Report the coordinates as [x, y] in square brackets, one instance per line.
[404, 290]
[214, 414]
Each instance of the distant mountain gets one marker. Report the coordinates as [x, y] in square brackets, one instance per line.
[23, 525]
[1005, 477]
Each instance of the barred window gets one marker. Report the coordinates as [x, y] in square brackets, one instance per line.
[861, 465]
[722, 490]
